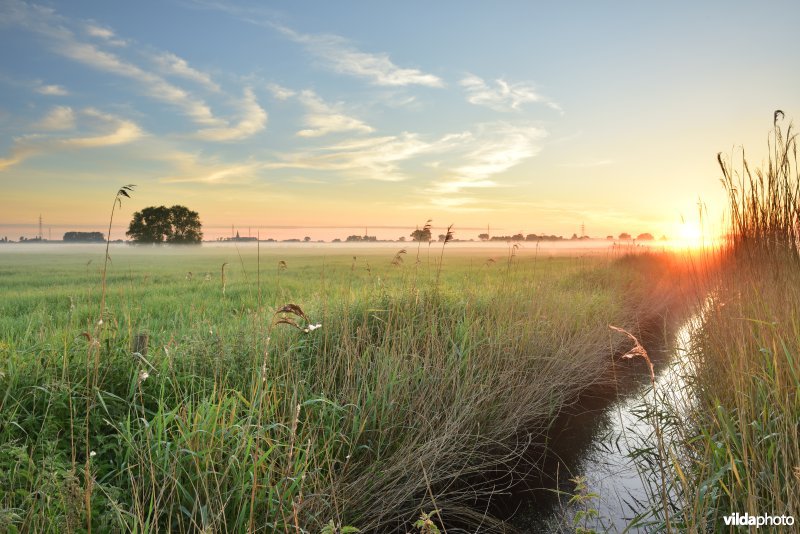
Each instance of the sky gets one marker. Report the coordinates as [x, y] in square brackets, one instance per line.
[314, 118]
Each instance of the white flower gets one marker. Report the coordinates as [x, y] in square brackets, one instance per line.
[312, 327]
[92, 454]
[100, 322]
[143, 375]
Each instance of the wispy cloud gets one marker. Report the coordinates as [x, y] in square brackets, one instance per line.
[58, 118]
[337, 53]
[323, 118]
[280, 92]
[106, 34]
[122, 131]
[193, 170]
[154, 85]
[343, 57]
[51, 90]
[465, 160]
[503, 95]
[253, 120]
[173, 65]
[106, 130]
[376, 158]
[494, 149]
[56, 29]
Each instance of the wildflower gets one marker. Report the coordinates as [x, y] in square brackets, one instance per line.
[312, 327]
[100, 322]
[143, 375]
[92, 454]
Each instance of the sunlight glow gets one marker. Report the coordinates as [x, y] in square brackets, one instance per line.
[690, 235]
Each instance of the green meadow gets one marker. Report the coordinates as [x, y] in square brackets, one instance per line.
[198, 405]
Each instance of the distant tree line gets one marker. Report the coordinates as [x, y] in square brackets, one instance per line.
[84, 237]
[520, 237]
[361, 238]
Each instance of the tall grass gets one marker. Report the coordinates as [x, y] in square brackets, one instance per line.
[739, 445]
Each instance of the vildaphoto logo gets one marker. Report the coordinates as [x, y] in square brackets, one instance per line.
[747, 520]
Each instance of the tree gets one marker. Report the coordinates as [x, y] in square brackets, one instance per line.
[483, 237]
[624, 236]
[421, 235]
[644, 237]
[160, 224]
[185, 226]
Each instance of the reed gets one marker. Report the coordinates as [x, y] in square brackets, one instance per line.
[736, 449]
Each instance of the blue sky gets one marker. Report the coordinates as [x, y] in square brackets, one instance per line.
[528, 116]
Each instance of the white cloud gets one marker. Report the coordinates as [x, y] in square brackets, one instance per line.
[376, 158]
[253, 120]
[502, 96]
[342, 57]
[177, 66]
[106, 130]
[195, 167]
[55, 28]
[59, 118]
[322, 118]
[51, 90]
[93, 30]
[494, 149]
[124, 131]
[465, 160]
[280, 92]
[154, 85]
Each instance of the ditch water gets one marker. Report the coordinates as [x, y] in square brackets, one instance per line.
[594, 439]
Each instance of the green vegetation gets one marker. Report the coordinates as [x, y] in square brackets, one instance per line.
[207, 412]
[177, 225]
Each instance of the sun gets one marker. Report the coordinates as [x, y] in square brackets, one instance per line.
[690, 235]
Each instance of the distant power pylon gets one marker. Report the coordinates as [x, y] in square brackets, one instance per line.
[41, 236]
[583, 230]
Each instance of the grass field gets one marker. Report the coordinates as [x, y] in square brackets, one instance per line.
[430, 369]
